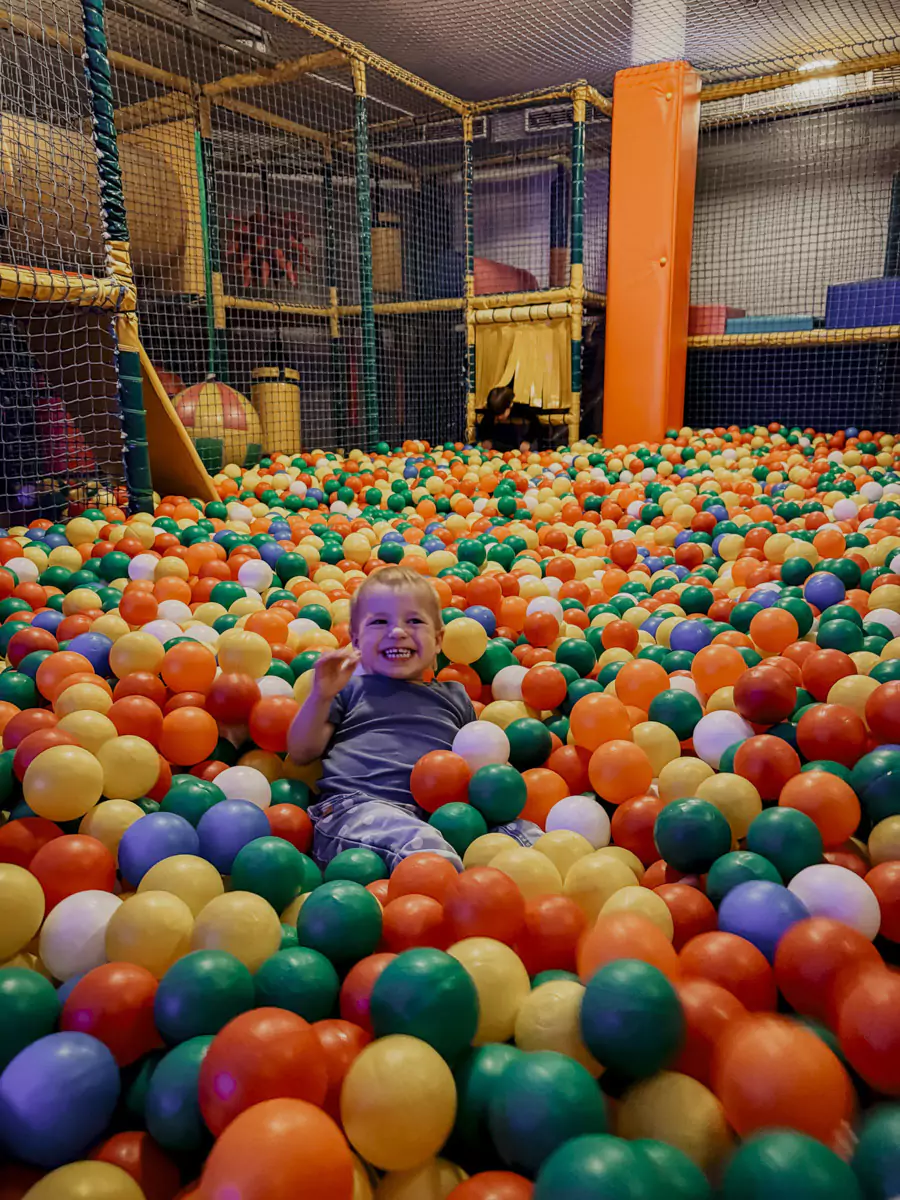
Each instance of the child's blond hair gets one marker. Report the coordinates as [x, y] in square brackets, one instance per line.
[396, 579]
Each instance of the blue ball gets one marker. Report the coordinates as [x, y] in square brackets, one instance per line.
[95, 647]
[690, 635]
[152, 838]
[679, 571]
[823, 589]
[49, 620]
[765, 597]
[761, 912]
[430, 544]
[484, 617]
[271, 551]
[225, 829]
[52, 540]
[56, 1098]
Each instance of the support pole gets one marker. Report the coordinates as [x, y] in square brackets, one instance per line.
[469, 216]
[364, 222]
[216, 320]
[576, 269]
[338, 364]
[653, 167]
[115, 236]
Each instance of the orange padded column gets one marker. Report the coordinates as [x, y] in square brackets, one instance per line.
[653, 166]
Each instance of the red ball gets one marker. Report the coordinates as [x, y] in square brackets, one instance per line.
[341, 1042]
[25, 722]
[882, 711]
[24, 641]
[422, 874]
[379, 889]
[768, 762]
[549, 940]
[632, 826]
[356, 990]
[708, 1011]
[692, 912]
[21, 839]
[494, 1185]
[73, 863]
[734, 964]
[142, 683]
[884, 880]
[36, 743]
[231, 698]
[869, 1028]
[440, 777]
[811, 961]
[822, 670]
[832, 731]
[265, 1054]
[765, 695]
[137, 715]
[413, 920]
[571, 762]
[114, 1004]
[141, 1158]
[270, 720]
[290, 822]
[483, 902]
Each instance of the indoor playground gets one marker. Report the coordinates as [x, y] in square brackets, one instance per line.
[277, 298]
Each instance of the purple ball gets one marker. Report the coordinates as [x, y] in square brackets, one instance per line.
[154, 837]
[761, 912]
[823, 589]
[690, 635]
[226, 828]
[484, 617]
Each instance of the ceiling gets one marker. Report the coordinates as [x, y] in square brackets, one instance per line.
[480, 50]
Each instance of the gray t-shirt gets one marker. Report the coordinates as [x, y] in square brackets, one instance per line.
[382, 727]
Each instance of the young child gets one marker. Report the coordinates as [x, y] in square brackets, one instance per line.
[370, 717]
[506, 425]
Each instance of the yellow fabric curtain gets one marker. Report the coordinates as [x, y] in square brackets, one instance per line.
[534, 355]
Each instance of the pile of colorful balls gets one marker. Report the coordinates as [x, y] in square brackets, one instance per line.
[685, 663]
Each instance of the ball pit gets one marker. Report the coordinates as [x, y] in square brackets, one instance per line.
[683, 659]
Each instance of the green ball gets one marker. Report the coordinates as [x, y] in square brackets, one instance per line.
[840, 635]
[631, 1018]
[172, 1107]
[876, 1159]
[301, 980]
[498, 792]
[783, 1165]
[542, 1100]
[471, 551]
[227, 592]
[734, 868]
[342, 921]
[291, 791]
[691, 834]
[795, 570]
[29, 1009]
[201, 993]
[459, 824]
[678, 710]
[679, 1178]
[288, 936]
[530, 743]
[359, 864]
[426, 994]
[696, 599]
[551, 975]
[494, 659]
[598, 1167]
[136, 1081]
[272, 868]
[799, 610]
[788, 838]
[833, 768]
[9, 785]
[18, 688]
[477, 1078]
[577, 653]
[874, 779]
[290, 566]
[190, 797]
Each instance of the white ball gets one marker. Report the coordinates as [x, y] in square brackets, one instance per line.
[274, 685]
[239, 512]
[546, 604]
[871, 491]
[297, 488]
[162, 630]
[884, 616]
[682, 683]
[553, 586]
[715, 732]
[844, 510]
[507, 683]
[245, 783]
[73, 939]
[175, 610]
[582, 815]
[256, 574]
[302, 625]
[480, 743]
[203, 633]
[26, 571]
[828, 890]
[142, 566]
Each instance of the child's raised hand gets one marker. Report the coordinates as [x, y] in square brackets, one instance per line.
[333, 671]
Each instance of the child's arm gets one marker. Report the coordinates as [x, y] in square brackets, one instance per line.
[311, 730]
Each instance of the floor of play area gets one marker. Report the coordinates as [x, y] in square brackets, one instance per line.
[641, 939]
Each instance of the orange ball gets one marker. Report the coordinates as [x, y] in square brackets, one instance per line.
[715, 667]
[189, 667]
[53, 671]
[774, 629]
[544, 789]
[626, 935]
[188, 736]
[598, 718]
[618, 770]
[828, 801]
[639, 682]
[619, 635]
[544, 687]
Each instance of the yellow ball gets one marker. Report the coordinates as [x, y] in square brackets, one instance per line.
[108, 821]
[550, 1019]
[658, 742]
[533, 873]
[678, 1110]
[152, 929]
[853, 691]
[502, 984]
[22, 908]
[644, 903]
[593, 879]
[86, 1181]
[504, 712]
[264, 761]
[885, 597]
[80, 600]
[564, 847]
[884, 841]
[136, 652]
[63, 783]
[191, 879]
[243, 924]
[620, 854]
[130, 767]
[735, 797]
[436, 1180]
[682, 777]
[464, 640]
[79, 697]
[80, 530]
[244, 653]
[89, 728]
[483, 851]
[398, 1103]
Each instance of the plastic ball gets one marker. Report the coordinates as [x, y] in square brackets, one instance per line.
[582, 1166]
[593, 879]
[828, 801]
[761, 913]
[501, 983]
[581, 815]
[691, 834]
[549, 1019]
[342, 921]
[156, 836]
[73, 938]
[114, 1003]
[708, 1011]
[532, 872]
[240, 923]
[782, 1163]
[498, 792]
[732, 963]
[831, 891]
[619, 769]
[108, 821]
[876, 1158]
[29, 1009]
[485, 902]
[811, 959]
[868, 1027]
[427, 994]
[681, 1112]
[440, 777]
[23, 906]
[150, 929]
[226, 828]
[63, 783]
[98, 1180]
[631, 1018]
[788, 838]
[735, 868]
[465, 640]
[480, 743]
[245, 783]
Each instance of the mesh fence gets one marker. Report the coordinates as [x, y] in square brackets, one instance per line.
[795, 287]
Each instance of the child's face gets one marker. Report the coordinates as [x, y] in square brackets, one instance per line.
[396, 636]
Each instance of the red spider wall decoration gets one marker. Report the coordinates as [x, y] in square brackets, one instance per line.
[265, 248]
